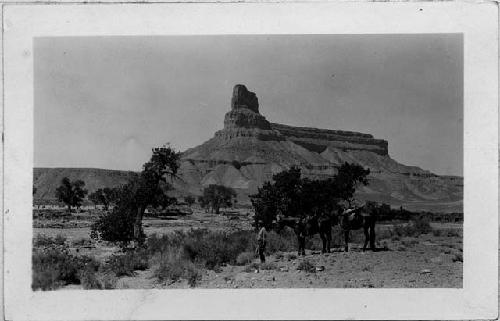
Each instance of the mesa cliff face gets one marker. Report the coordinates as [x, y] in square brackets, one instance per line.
[250, 149]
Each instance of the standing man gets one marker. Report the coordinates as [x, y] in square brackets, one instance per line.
[261, 241]
[301, 236]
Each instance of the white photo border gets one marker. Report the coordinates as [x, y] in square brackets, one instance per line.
[478, 22]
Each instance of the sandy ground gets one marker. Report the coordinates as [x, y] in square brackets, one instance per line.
[426, 261]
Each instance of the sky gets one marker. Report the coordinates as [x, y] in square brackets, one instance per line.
[104, 102]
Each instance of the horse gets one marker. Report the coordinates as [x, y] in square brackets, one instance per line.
[311, 225]
[356, 218]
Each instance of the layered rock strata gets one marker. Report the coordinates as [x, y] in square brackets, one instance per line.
[250, 149]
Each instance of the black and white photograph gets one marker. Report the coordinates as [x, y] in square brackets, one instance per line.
[250, 161]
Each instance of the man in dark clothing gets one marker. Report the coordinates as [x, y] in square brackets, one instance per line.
[301, 236]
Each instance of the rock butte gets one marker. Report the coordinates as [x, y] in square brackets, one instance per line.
[250, 149]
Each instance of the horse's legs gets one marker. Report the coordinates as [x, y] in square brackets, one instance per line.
[372, 236]
[299, 245]
[367, 236]
[323, 240]
[346, 240]
[328, 241]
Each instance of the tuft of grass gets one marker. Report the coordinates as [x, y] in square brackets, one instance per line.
[367, 268]
[244, 258]
[458, 257]
[81, 242]
[415, 228]
[409, 242]
[172, 267]
[126, 264]
[43, 240]
[268, 266]
[55, 267]
[250, 268]
[217, 248]
[306, 266]
[450, 232]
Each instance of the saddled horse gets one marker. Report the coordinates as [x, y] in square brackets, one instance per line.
[311, 225]
[357, 218]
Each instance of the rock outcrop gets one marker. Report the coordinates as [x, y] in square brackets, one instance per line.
[250, 149]
[242, 98]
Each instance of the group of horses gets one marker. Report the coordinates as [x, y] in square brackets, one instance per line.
[349, 219]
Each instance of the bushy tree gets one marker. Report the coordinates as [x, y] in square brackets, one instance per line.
[71, 193]
[291, 195]
[189, 200]
[348, 178]
[218, 196]
[104, 196]
[204, 204]
[148, 188]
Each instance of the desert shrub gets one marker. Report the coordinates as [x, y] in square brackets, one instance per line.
[268, 266]
[454, 232]
[161, 244]
[451, 232]
[42, 240]
[88, 279]
[422, 226]
[92, 276]
[173, 267]
[245, 258]
[55, 267]
[367, 268]
[126, 264]
[458, 257]
[60, 239]
[413, 229]
[306, 266]
[251, 267]
[279, 256]
[385, 234]
[217, 248]
[395, 238]
[409, 242]
[438, 232]
[81, 242]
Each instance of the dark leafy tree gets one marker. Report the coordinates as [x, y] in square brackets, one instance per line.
[104, 196]
[71, 193]
[348, 178]
[148, 188]
[204, 204]
[291, 195]
[189, 200]
[266, 203]
[218, 196]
